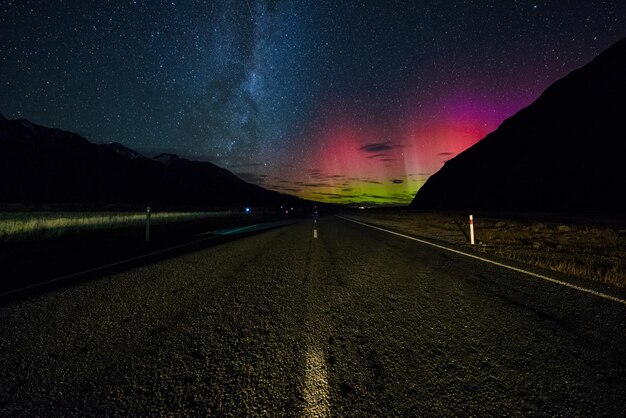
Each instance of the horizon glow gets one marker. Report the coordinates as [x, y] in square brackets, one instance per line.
[355, 163]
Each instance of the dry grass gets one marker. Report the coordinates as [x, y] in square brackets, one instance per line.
[21, 226]
[593, 249]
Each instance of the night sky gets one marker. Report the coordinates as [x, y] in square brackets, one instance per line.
[335, 101]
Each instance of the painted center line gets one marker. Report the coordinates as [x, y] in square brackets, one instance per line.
[316, 388]
[486, 260]
[315, 233]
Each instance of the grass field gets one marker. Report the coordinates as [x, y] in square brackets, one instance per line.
[25, 226]
[591, 247]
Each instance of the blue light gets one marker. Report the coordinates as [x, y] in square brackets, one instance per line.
[247, 210]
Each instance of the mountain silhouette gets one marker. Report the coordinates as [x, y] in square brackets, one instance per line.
[123, 150]
[46, 166]
[564, 152]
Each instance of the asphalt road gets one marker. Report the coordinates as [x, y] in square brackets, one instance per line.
[355, 322]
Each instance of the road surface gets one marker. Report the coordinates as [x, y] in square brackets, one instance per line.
[353, 322]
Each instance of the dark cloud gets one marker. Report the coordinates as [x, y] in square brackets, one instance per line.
[317, 174]
[397, 181]
[403, 195]
[252, 177]
[444, 154]
[317, 185]
[248, 165]
[374, 196]
[335, 195]
[377, 147]
[377, 155]
[284, 186]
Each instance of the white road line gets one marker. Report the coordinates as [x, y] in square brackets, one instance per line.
[315, 233]
[530, 273]
[316, 388]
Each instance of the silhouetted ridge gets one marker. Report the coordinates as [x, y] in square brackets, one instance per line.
[40, 165]
[123, 150]
[564, 152]
[168, 158]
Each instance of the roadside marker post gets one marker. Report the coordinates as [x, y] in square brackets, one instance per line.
[148, 224]
[471, 223]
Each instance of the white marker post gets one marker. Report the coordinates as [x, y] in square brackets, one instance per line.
[148, 224]
[471, 220]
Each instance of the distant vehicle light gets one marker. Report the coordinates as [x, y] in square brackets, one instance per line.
[247, 210]
[361, 207]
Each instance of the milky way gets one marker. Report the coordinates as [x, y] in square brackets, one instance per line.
[334, 101]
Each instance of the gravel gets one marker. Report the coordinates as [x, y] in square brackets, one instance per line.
[353, 323]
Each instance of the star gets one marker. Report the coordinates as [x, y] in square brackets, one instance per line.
[290, 86]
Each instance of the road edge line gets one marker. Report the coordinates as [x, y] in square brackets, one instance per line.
[486, 260]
